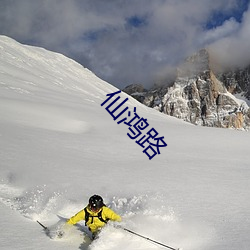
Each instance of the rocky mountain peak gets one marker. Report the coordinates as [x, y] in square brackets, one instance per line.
[200, 96]
[196, 64]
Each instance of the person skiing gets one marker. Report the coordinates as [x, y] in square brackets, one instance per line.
[95, 214]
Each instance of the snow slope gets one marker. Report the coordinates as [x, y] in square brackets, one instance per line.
[59, 146]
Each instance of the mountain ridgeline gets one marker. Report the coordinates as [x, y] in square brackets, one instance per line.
[202, 95]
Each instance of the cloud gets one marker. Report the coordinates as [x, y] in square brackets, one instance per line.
[228, 28]
[125, 42]
[233, 49]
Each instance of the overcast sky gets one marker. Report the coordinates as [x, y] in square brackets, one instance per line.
[131, 41]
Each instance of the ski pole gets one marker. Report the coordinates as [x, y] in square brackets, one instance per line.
[45, 228]
[146, 238]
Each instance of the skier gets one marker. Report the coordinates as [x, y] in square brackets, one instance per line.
[95, 214]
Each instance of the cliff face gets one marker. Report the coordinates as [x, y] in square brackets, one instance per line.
[201, 97]
[237, 81]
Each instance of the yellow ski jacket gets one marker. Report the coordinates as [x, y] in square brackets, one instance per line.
[94, 223]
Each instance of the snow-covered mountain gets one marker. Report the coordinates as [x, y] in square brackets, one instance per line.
[201, 96]
[59, 145]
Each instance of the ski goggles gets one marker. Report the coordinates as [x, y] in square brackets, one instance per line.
[94, 208]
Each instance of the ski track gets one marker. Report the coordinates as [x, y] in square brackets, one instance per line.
[144, 214]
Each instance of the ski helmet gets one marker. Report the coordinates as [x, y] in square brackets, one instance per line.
[95, 202]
